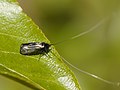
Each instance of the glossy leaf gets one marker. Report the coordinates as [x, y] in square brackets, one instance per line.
[45, 73]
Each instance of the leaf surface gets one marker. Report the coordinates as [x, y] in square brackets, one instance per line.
[45, 73]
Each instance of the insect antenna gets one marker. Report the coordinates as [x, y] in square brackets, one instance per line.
[85, 32]
[92, 75]
[80, 70]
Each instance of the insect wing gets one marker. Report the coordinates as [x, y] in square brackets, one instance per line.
[30, 49]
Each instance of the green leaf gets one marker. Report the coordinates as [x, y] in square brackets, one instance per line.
[45, 73]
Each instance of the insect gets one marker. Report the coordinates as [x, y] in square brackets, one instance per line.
[35, 48]
[43, 48]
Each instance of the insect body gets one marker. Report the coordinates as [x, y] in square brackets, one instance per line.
[42, 48]
[34, 48]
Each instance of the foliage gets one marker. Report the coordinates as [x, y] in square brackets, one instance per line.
[46, 73]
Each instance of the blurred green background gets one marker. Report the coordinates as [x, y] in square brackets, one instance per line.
[97, 52]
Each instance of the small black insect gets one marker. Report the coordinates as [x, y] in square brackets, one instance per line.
[42, 48]
[35, 48]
